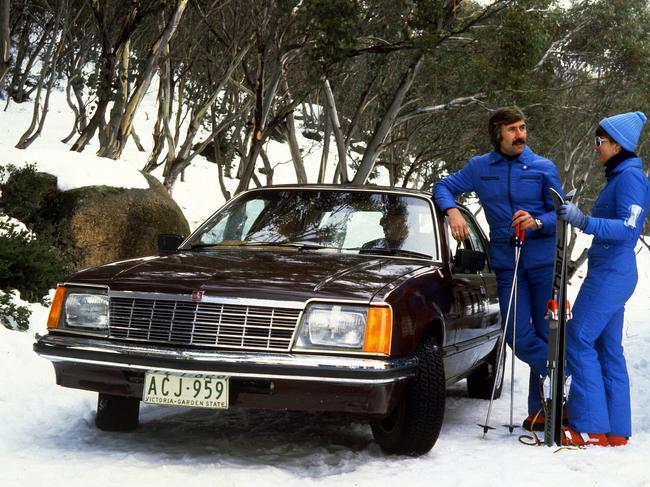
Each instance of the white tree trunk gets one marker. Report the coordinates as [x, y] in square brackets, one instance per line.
[5, 38]
[338, 133]
[386, 124]
[116, 145]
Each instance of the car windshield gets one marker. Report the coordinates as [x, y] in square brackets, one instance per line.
[361, 222]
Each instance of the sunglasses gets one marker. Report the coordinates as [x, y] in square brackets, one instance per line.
[598, 141]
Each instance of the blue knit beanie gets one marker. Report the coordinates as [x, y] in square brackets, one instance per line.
[625, 128]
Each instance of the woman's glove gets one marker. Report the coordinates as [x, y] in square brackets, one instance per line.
[572, 214]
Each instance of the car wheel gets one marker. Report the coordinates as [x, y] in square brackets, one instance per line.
[481, 381]
[414, 425]
[117, 413]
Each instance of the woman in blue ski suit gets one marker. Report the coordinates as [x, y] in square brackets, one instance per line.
[512, 184]
[599, 397]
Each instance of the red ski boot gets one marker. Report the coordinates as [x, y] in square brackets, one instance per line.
[573, 438]
[617, 440]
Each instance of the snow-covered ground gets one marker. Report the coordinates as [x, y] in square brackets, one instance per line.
[47, 435]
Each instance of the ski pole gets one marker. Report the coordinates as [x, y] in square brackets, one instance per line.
[518, 239]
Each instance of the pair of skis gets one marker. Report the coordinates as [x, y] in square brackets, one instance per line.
[558, 312]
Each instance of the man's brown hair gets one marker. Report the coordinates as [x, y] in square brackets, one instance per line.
[503, 116]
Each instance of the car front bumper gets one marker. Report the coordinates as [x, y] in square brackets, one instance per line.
[305, 382]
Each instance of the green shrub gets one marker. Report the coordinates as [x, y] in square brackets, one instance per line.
[30, 197]
[34, 199]
[29, 263]
[13, 316]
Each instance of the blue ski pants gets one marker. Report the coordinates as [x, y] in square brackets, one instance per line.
[531, 339]
[599, 398]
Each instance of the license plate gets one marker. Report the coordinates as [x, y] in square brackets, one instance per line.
[192, 390]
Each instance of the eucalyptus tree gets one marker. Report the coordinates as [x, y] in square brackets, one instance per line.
[121, 129]
[49, 74]
[558, 63]
[488, 65]
[30, 25]
[602, 68]
[213, 58]
[275, 59]
[373, 66]
[75, 60]
[113, 27]
[5, 38]
[199, 90]
[605, 60]
[229, 70]
[596, 64]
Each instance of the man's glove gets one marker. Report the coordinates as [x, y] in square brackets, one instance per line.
[572, 214]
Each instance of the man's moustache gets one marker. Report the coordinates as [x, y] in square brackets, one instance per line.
[519, 142]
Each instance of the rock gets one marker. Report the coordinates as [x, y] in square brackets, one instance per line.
[95, 224]
[109, 224]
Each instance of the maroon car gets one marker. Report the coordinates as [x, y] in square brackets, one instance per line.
[309, 298]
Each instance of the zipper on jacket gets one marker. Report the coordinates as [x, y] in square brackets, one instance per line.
[512, 209]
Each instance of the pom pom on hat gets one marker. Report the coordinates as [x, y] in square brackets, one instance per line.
[625, 128]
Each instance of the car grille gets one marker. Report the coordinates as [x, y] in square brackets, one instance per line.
[208, 324]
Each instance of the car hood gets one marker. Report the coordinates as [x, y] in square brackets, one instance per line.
[259, 274]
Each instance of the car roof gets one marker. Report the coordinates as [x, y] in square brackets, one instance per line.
[347, 187]
[352, 187]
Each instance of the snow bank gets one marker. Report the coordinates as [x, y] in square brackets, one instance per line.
[74, 170]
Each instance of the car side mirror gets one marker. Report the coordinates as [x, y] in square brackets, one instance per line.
[168, 243]
[467, 260]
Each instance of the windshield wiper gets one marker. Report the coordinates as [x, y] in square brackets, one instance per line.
[412, 253]
[203, 246]
[245, 243]
[389, 251]
[288, 243]
[260, 243]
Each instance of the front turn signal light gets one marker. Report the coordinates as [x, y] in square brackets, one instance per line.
[55, 309]
[379, 330]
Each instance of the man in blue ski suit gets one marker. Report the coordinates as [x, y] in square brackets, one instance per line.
[512, 184]
[599, 397]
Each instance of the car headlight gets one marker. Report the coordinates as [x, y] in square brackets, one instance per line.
[346, 327]
[82, 309]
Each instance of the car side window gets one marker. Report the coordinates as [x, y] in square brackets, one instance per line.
[473, 242]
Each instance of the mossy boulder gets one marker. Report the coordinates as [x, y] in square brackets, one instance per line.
[110, 224]
[94, 224]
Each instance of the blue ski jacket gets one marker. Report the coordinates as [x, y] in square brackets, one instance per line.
[618, 214]
[503, 187]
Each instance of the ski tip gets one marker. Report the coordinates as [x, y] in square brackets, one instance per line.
[570, 195]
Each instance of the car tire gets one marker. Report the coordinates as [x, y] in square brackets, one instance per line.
[481, 381]
[414, 425]
[117, 413]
